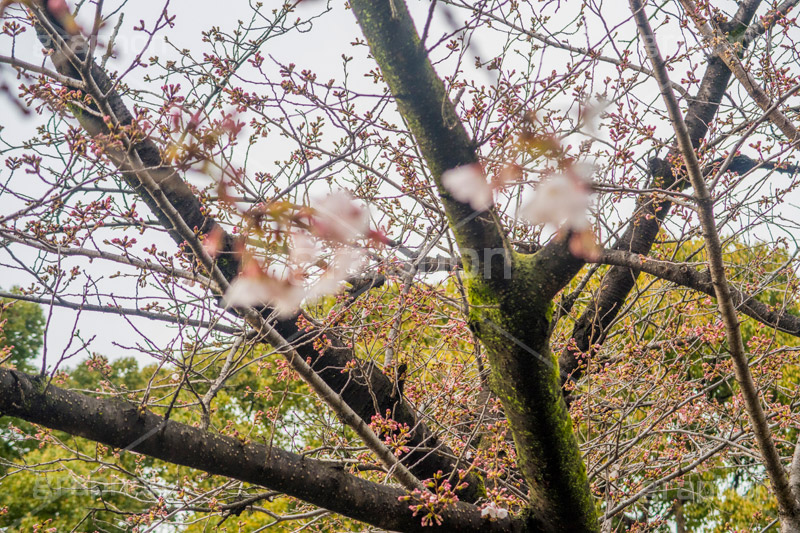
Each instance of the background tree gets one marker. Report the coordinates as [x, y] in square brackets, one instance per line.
[543, 287]
[23, 323]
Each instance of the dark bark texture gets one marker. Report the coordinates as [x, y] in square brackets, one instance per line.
[125, 427]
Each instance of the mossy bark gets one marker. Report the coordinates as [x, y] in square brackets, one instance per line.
[512, 319]
[510, 299]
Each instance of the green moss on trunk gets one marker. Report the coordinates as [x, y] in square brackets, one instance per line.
[511, 302]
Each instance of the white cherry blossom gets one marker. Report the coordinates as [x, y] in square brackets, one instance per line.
[561, 201]
[285, 293]
[345, 261]
[494, 512]
[339, 218]
[468, 184]
[284, 286]
[303, 249]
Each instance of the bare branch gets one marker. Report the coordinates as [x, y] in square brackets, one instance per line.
[787, 503]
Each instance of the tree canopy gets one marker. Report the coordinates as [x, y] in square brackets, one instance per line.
[389, 265]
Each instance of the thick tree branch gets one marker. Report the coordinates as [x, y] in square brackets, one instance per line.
[422, 100]
[687, 275]
[722, 48]
[758, 29]
[794, 471]
[511, 298]
[125, 427]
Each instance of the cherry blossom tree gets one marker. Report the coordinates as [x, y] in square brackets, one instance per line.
[459, 266]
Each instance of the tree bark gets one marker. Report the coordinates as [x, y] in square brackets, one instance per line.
[510, 300]
[125, 427]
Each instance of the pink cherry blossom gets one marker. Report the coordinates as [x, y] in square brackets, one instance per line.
[303, 249]
[175, 114]
[563, 201]
[468, 184]
[60, 11]
[285, 293]
[583, 244]
[345, 261]
[285, 296]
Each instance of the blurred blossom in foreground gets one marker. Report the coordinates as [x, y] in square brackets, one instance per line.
[345, 261]
[336, 218]
[61, 12]
[563, 201]
[468, 184]
[304, 250]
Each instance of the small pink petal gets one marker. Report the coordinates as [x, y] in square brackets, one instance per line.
[58, 8]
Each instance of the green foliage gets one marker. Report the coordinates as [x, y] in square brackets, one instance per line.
[23, 328]
[21, 337]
